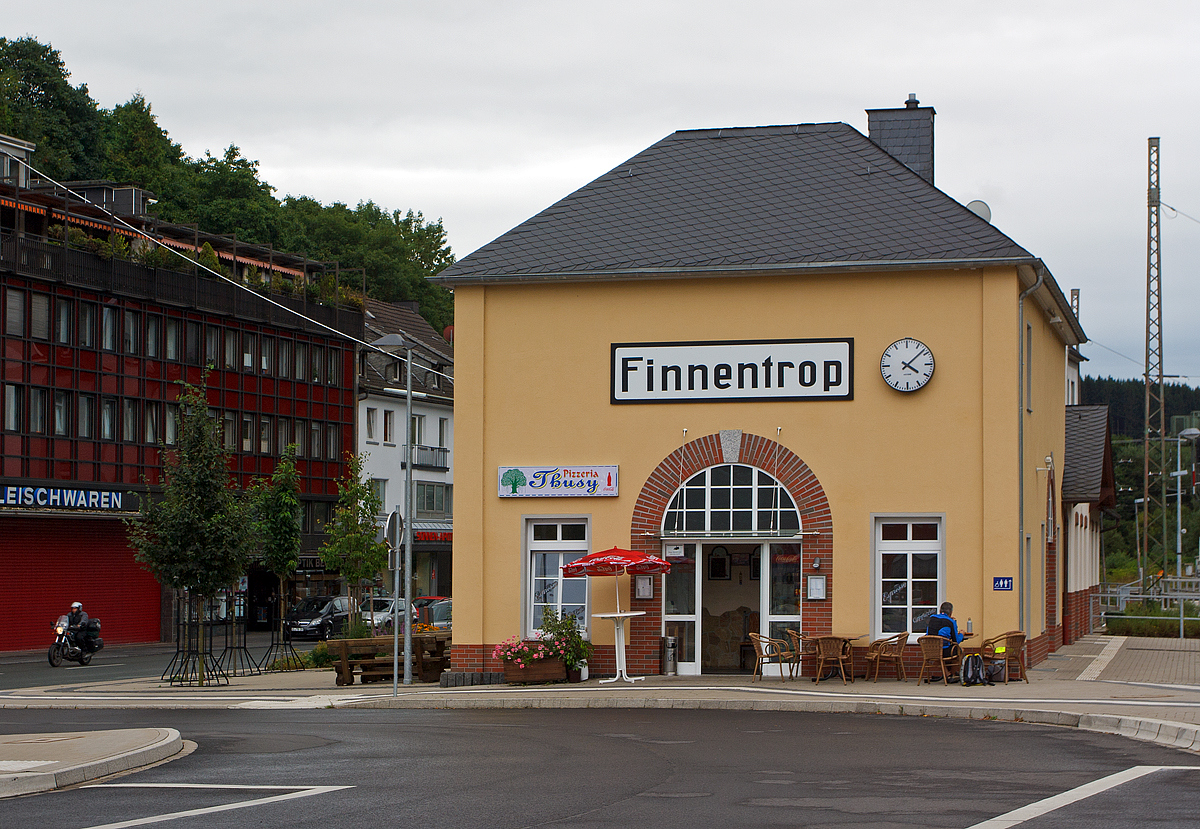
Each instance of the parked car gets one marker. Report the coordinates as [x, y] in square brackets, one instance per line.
[317, 617]
[378, 612]
[425, 601]
[437, 613]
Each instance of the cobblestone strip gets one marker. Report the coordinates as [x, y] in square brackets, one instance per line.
[1101, 662]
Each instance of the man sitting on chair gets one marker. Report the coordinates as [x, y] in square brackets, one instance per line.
[942, 624]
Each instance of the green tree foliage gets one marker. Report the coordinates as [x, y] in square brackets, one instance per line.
[197, 536]
[223, 194]
[351, 546]
[1126, 401]
[39, 104]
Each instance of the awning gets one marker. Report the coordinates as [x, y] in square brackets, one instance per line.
[432, 531]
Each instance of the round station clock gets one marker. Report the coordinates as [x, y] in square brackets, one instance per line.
[907, 364]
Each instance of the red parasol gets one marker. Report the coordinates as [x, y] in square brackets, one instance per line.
[614, 562]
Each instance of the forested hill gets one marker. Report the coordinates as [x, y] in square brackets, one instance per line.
[79, 140]
[1126, 400]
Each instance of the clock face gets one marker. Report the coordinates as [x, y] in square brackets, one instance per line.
[907, 364]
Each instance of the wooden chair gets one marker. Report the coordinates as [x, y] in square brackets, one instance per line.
[770, 652]
[1006, 649]
[802, 646]
[888, 649]
[932, 653]
[835, 650]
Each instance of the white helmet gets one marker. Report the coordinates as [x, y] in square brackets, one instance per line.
[76, 605]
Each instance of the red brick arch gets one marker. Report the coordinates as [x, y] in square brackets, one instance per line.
[771, 457]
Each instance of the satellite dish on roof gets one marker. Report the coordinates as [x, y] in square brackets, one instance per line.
[980, 209]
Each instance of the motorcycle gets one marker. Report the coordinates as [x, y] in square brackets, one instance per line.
[77, 646]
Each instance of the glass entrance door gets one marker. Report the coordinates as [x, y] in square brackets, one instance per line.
[680, 611]
[782, 591]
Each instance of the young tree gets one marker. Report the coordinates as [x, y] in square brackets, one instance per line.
[351, 546]
[195, 537]
[276, 505]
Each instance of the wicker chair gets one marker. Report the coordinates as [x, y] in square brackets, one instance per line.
[771, 652]
[1007, 649]
[932, 653]
[835, 650]
[802, 646]
[888, 649]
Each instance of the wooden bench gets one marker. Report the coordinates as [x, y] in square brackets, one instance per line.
[371, 658]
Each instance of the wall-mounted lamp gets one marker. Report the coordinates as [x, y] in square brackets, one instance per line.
[816, 563]
[1049, 467]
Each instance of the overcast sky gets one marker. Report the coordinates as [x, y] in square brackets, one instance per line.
[483, 113]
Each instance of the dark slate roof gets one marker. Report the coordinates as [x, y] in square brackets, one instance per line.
[1087, 475]
[432, 353]
[745, 199]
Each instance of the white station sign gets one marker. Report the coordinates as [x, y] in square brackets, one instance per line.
[737, 370]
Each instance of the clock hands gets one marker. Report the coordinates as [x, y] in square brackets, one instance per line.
[909, 366]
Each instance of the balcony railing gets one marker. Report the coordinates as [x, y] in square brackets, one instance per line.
[431, 457]
[36, 258]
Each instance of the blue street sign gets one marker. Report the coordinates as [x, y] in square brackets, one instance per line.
[1002, 582]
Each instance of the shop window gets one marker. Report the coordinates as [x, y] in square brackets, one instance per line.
[908, 562]
[549, 544]
[371, 413]
[732, 498]
[87, 416]
[39, 316]
[62, 413]
[13, 408]
[14, 312]
[37, 411]
[87, 325]
[108, 328]
[63, 319]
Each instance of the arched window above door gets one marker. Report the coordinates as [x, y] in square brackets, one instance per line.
[731, 500]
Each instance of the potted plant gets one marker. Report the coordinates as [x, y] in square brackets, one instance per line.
[566, 634]
[531, 660]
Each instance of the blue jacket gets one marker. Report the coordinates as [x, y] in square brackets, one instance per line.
[942, 625]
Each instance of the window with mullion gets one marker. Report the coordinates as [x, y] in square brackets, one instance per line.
[908, 564]
[731, 498]
[551, 544]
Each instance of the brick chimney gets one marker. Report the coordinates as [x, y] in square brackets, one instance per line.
[905, 134]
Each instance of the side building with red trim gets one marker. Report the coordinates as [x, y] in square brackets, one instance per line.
[94, 350]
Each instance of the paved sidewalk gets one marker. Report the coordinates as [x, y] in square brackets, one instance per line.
[1147, 689]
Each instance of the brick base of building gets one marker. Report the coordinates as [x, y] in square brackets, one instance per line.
[1080, 615]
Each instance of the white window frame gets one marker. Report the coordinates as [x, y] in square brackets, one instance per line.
[389, 427]
[530, 620]
[879, 548]
[372, 416]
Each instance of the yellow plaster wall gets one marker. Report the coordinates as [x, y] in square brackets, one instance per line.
[532, 387]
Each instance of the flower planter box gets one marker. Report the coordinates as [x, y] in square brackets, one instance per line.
[537, 670]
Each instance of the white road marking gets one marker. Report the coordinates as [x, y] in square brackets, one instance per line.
[1101, 662]
[23, 765]
[294, 792]
[1041, 807]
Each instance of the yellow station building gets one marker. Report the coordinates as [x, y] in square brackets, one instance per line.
[831, 395]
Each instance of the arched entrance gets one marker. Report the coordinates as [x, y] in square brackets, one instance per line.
[745, 522]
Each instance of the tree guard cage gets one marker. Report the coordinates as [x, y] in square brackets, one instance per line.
[235, 659]
[281, 656]
[194, 663]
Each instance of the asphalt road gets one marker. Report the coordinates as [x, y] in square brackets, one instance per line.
[32, 670]
[610, 768]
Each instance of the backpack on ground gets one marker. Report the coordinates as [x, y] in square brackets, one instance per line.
[973, 670]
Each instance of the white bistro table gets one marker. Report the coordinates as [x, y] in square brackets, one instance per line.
[619, 621]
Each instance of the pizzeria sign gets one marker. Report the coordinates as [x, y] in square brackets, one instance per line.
[557, 481]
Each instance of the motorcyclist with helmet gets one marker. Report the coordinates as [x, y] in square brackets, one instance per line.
[76, 619]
